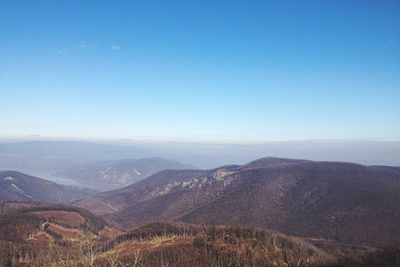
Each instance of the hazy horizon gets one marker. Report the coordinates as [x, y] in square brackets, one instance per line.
[207, 154]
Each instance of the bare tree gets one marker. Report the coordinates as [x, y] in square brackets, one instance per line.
[113, 259]
[86, 251]
[137, 258]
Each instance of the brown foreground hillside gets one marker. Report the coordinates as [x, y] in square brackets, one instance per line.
[53, 235]
[34, 234]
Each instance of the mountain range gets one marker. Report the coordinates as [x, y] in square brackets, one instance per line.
[345, 202]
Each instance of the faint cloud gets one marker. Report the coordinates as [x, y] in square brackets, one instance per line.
[87, 46]
[61, 52]
[386, 45]
[115, 47]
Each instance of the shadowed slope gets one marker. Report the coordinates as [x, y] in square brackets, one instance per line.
[16, 186]
[345, 202]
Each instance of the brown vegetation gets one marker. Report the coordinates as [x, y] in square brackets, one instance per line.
[384, 257]
[67, 217]
[37, 235]
[27, 239]
[163, 244]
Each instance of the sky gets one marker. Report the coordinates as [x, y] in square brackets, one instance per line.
[200, 70]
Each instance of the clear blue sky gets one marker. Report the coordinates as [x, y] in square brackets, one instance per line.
[194, 70]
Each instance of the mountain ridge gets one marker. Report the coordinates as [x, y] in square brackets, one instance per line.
[17, 186]
[296, 197]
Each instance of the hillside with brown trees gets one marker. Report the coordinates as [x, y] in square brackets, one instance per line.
[344, 202]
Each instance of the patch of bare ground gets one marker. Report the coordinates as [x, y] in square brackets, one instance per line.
[109, 233]
[65, 233]
[66, 217]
